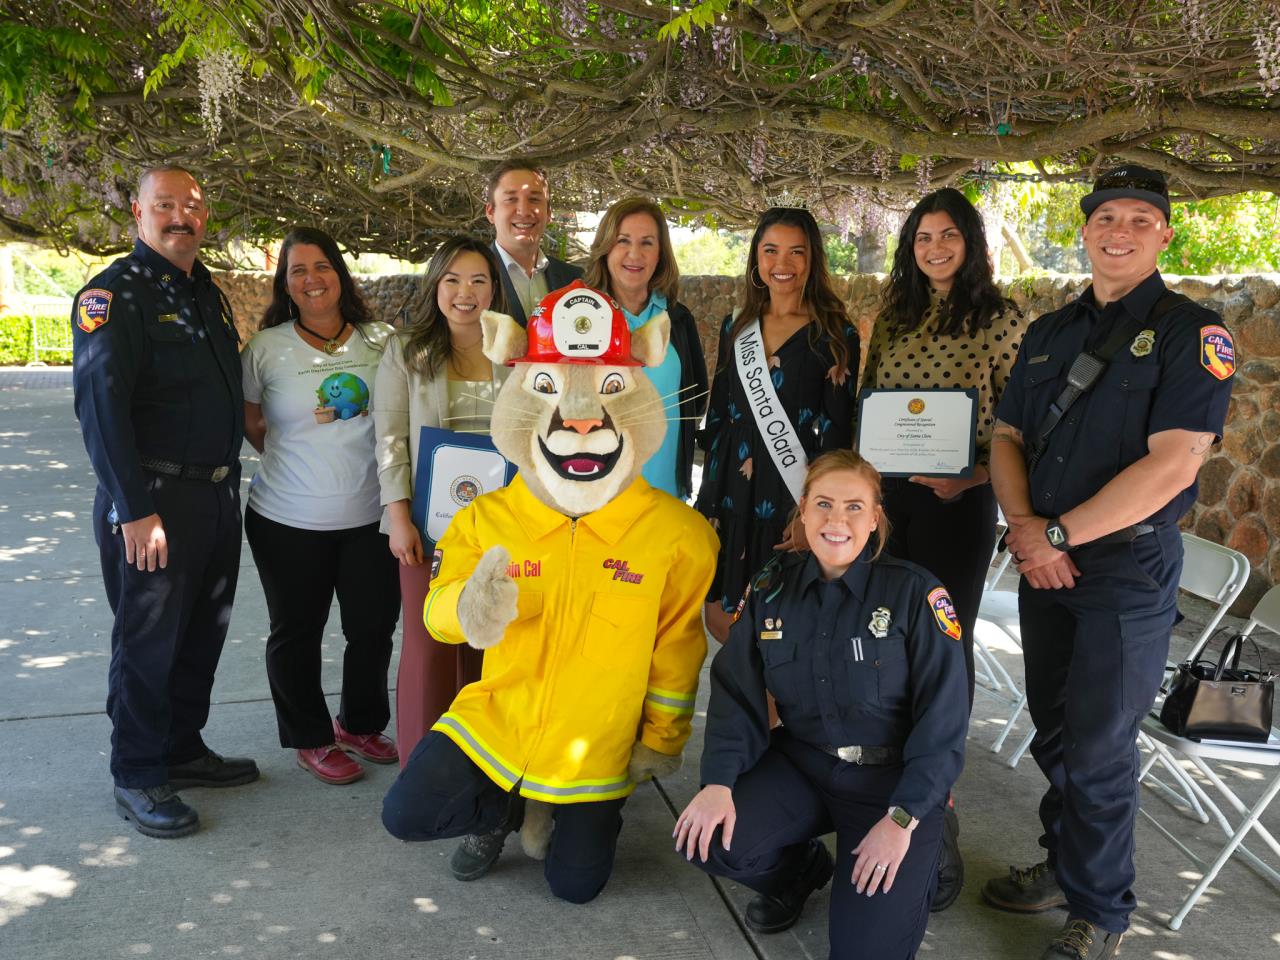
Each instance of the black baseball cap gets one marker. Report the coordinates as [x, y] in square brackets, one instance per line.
[1130, 181]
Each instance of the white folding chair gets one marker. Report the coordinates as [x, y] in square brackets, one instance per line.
[1000, 609]
[1217, 574]
[1214, 573]
[1171, 747]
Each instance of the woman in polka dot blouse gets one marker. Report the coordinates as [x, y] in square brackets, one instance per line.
[944, 325]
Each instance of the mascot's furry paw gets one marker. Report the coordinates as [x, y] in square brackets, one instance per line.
[488, 601]
[646, 763]
[535, 832]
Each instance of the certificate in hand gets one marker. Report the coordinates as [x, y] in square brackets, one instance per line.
[930, 433]
[453, 469]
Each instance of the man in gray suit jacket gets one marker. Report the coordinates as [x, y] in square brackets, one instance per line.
[518, 204]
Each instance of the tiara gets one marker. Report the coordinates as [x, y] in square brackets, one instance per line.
[786, 199]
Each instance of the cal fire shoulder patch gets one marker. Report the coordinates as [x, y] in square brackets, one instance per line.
[436, 559]
[944, 612]
[93, 309]
[737, 613]
[1217, 351]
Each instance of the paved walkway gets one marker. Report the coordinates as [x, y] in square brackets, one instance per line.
[287, 867]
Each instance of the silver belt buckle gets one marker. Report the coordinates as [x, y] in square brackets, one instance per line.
[850, 754]
[220, 474]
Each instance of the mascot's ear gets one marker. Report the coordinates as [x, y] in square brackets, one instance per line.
[649, 343]
[504, 339]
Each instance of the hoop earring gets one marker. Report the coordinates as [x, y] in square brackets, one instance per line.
[753, 275]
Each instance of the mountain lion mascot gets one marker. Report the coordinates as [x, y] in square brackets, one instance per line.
[585, 586]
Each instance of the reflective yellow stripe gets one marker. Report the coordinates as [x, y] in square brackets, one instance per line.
[560, 792]
[670, 702]
[485, 757]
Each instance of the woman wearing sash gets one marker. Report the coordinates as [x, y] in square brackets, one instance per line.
[783, 393]
[944, 324]
[433, 374]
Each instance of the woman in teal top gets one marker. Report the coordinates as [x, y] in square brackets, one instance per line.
[632, 260]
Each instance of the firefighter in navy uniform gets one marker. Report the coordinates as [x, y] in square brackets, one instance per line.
[158, 397]
[862, 654]
[1114, 402]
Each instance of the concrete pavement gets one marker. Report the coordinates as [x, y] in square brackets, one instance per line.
[288, 867]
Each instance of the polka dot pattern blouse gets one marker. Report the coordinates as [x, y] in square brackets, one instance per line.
[927, 360]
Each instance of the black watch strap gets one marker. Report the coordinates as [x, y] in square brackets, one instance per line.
[1056, 534]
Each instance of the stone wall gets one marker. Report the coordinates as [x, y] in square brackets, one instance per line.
[1239, 501]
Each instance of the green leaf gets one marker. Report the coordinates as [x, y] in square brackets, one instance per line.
[700, 17]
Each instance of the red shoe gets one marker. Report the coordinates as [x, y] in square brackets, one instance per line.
[329, 764]
[374, 747]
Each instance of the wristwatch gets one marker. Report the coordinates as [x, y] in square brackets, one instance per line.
[903, 819]
[1056, 534]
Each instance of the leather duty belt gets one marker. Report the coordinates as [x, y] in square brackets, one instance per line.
[873, 756]
[1125, 534]
[186, 471]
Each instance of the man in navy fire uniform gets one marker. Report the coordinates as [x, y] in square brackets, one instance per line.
[1093, 471]
[158, 397]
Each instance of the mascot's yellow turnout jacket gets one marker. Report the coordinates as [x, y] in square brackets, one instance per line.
[605, 648]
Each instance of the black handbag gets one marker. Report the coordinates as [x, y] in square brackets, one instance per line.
[1221, 701]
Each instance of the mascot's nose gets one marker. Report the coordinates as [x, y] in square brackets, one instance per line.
[583, 426]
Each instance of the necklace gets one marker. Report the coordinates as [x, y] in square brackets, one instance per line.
[331, 344]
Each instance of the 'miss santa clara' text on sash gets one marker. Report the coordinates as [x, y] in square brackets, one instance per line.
[775, 428]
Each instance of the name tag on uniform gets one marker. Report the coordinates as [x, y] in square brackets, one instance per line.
[168, 318]
[1040, 359]
[770, 634]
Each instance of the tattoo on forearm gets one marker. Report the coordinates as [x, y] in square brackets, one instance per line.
[1007, 435]
[1202, 446]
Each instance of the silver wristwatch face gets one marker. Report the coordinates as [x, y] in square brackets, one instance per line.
[901, 818]
[1057, 536]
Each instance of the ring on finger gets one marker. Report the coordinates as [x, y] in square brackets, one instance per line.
[881, 866]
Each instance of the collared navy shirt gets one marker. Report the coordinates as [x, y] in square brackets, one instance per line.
[157, 374]
[1176, 375]
[835, 681]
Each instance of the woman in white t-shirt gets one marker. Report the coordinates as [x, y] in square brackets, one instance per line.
[313, 511]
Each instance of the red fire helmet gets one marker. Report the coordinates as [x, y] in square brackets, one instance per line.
[577, 324]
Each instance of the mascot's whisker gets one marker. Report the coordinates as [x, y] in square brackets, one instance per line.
[662, 399]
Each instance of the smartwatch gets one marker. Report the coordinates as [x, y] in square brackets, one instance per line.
[1056, 534]
[903, 819]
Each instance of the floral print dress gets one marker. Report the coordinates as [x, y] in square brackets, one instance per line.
[742, 493]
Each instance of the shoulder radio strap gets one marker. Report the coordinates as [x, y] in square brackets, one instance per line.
[1089, 365]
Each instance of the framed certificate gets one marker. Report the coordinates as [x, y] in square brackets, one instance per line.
[930, 433]
[453, 469]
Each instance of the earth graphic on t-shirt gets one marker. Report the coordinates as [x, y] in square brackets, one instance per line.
[345, 394]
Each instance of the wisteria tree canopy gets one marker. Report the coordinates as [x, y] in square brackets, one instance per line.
[378, 119]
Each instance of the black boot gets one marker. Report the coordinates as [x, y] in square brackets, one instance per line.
[775, 913]
[950, 863]
[478, 852]
[213, 770]
[1032, 889]
[156, 811]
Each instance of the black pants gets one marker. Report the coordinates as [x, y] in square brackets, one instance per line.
[440, 793]
[795, 793]
[169, 626]
[952, 539]
[300, 570]
[1095, 657]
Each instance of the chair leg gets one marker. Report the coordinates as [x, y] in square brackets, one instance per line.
[1250, 821]
[1008, 727]
[1189, 794]
[1023, 747]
